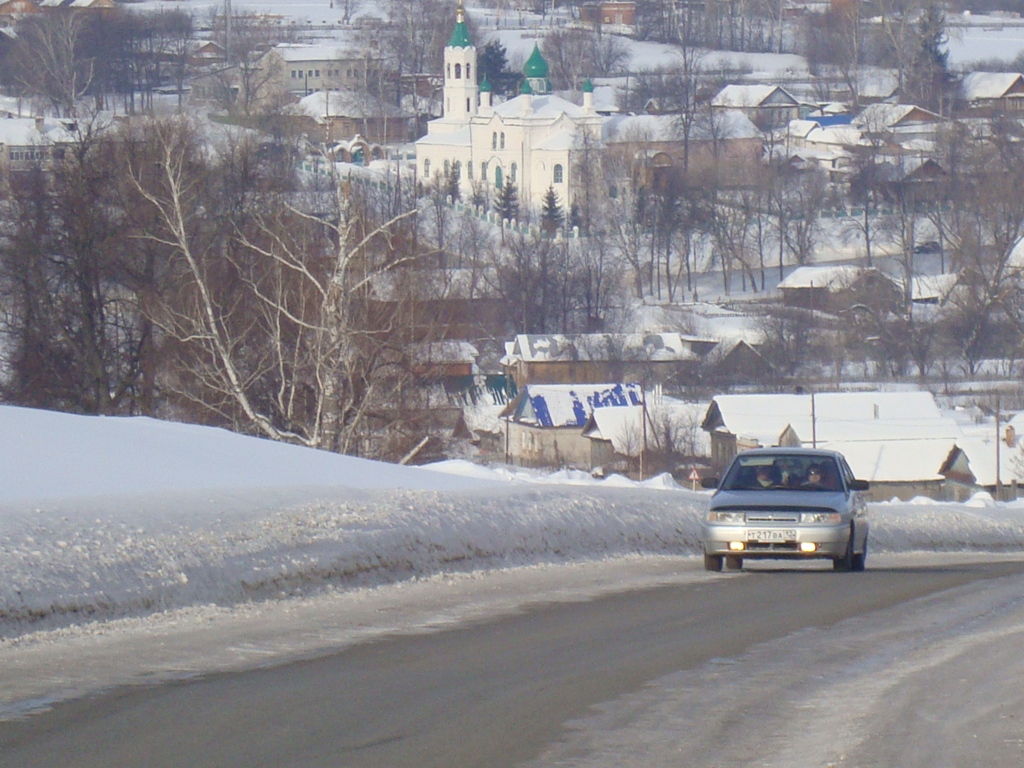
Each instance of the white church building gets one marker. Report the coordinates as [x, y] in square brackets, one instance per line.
[527, 140]
[531, 140]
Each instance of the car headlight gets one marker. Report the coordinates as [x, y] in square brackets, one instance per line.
[726, 517]
[827, 518]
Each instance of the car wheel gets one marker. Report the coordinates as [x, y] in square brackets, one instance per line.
[733, 562]
[860, 561]
[845, 563]
[712, 562]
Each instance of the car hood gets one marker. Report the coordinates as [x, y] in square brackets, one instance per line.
[782, 499]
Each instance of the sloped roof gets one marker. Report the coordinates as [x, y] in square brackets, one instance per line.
[545, 106]
[25, 132]
[838, 417]
[888, 116]
[750, 96]
[981, 458]
[896, 461]
[569, 405]
[325, 104]
[988, 85]
[300, 52]
[655, 347]
[839, 275]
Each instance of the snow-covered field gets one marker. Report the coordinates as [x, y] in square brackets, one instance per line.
[123, 541]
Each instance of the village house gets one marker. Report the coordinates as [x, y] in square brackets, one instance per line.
[300, 69]
[610, 13]
[837, 288]
[906, 126]
[544, 423]
[336, 116]
[30, 142]
[991, 93]
[766, 106]
[652, 358]
[899, 441]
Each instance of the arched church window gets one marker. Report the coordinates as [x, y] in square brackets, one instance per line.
[502, 139]
[467, 71]
[426, 169]
[449, 70]
[483, 171]
[498, 178]
[458, 71]
[512, 172]
[447, 168]
[469, 169]
[469, 107]
[457, 169]
[494, 140]
[559, 175]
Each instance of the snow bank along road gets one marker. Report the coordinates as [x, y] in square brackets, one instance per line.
[794, 667]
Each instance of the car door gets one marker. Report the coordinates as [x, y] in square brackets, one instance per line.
[858, 506]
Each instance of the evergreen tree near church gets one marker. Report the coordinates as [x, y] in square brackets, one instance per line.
[551, 215]
[507, 204]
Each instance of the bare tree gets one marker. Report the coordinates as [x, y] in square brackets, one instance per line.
[271, 316]
[47, 60]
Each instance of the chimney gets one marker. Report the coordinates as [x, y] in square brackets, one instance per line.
[1011, 436]
[39, 123]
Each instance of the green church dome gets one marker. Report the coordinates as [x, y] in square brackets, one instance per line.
[536, 66]
[460, 35]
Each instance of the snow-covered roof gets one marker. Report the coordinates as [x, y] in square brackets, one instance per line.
[623, 427]
[639, 128]
[834, 417]
[895, 461]
[28, 131]
[821, 277]
[458, 138]
[887, 116]
[933, 287]
[980, 451]
[654, 347]
[545, 107]
[570, 405]
[325, 104]
[294, 53]
[989, 85]
[749, 96]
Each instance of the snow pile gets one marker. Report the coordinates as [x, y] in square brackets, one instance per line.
[105, 518]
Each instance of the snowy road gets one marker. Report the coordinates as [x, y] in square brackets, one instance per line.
[790, 668]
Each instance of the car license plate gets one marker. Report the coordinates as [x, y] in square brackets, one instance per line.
[767, 534]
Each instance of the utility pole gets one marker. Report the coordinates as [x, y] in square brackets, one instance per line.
[999, 480]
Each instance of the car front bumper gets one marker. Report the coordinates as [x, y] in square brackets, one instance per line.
[829, 540]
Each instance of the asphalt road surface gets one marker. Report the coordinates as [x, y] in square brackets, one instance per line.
[490, 694]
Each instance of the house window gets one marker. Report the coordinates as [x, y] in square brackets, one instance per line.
[498, 179]
[348, 72]
[512, 172]
[458, 71]
[502, 139]
[426, 169]
[318, 73]
[295, 75]
[559, 175]
[494, 140]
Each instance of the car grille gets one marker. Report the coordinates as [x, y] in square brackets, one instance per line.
[777, 546]
[772, 517]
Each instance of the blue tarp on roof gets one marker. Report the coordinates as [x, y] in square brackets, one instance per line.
[571, 405]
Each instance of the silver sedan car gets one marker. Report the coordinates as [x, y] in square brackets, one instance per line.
[795, 503]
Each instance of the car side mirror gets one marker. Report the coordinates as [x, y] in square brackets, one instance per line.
[709, 482]
[859, 485]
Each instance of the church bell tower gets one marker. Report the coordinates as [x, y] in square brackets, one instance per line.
[461, 95]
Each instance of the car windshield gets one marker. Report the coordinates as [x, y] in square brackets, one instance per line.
[782, 472]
